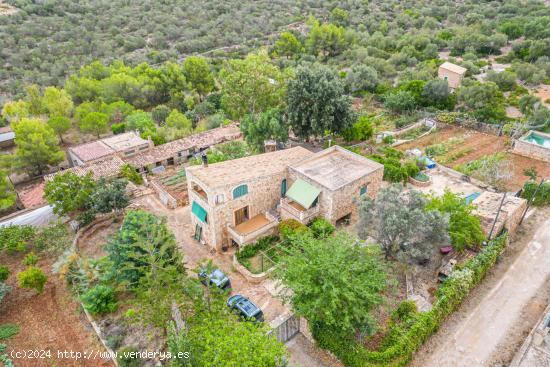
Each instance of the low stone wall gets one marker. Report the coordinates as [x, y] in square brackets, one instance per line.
[418, 183]
[252, 278]
[164, 196]
[531, 150]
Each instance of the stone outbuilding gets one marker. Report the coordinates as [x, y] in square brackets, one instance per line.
[234, 203]
[452, 73]
[124, 145]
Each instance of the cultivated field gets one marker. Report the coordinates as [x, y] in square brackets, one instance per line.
[461, 146]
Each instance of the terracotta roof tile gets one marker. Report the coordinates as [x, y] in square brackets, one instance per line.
[93, 150]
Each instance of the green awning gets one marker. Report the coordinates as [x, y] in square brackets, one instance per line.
[303, 193]
[199, 211]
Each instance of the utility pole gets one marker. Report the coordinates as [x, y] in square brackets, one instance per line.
[496, 217]
[531, 199]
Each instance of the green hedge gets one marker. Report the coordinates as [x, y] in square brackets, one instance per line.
[404, 338]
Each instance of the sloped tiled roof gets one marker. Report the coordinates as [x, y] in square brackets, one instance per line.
[90, 151]
[453, 67]
[108, 167]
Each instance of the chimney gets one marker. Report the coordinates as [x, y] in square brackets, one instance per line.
[204, 159]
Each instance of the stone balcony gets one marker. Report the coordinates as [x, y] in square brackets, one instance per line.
[292, 210]
[256, 227]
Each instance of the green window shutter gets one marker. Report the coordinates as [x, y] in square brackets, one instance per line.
[199, 212]
[240, 191]
[283, 188]
[303, 193]
[364, 190]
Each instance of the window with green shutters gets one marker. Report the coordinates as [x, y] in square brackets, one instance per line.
[283, 188]
[240, 191]
[364, 190]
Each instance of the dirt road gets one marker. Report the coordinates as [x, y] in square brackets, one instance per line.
[488, 328]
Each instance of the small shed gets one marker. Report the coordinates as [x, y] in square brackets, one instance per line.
[452, 73]
[7, 137]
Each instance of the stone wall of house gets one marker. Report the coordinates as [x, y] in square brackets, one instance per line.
[453, 79]
[531, 150]
[343, 199]
[263, 195]
[339, 203]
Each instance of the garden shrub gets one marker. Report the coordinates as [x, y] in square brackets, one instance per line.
[130, 173]
[30, 259]
[127, 357]
[33, 278]
[16, 238]
[53, 239]
[321, 227]
[422, 177]
[4, 273]
[404, 338]
[118, 128]
[290, 227]
[435, 150]
[4, 358]
[8, 331]
[99, 300]
[85, 218]
[543, 193]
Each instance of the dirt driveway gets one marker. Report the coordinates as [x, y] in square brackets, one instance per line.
[490, 326]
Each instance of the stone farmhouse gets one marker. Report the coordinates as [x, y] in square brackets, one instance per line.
[452, 73]
[234, 203]
[122, 145]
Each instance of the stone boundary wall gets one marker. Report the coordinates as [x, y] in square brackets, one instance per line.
[531, 150]
[251, 277]
[83, 233]
[418, 183]
[164, 196]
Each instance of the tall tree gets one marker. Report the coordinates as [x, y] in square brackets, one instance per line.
[399, 222]
[335, 281]
[464, 227]
[60, 125]
[57, 102]
[7, 192]
[197, 72]
[37, 146]
[109, 196]
[326, 39]
[140, 121]
[68, 192]
[96, 123]
[287, 45]
[15, 111]
[270, 125]
[252, 85]
[128, 251]
[34, 100]
[317, 103]
[215, 337]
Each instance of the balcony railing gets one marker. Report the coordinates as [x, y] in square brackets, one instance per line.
[252, 229]
[298, 212]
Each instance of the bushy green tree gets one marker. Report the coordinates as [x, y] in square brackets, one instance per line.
[197, 72]
[7, 192]
[108, 196]
[69, 193]
[57, 102]
[485, 100]
[32, 278]
[436, 93]
[317, 103]
[140, 121]
[334, 281]
[362, 78]
[505, 80]
[287, 45]
[100, 299]
[360, 131]
[400, 101]
[178, 120]
[15, 110]
[131, 174]
[34, 99]
[60, 125]
[270, 125]
[160, 113]
[215, 337]
[252, 85]
[326, 39]
[400, 223]
[464, 227]
[37, 146]
[96, 123]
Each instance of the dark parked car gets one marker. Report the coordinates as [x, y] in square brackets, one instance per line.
[245, 307]
[216, 278]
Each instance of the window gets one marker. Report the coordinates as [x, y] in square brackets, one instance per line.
[446, 77]
[240, 191]
[170, 161]
[220, 198]
[283, 188]
[364, 190]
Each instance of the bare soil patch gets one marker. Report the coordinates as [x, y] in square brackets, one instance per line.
[543, 92]
[49, 321]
